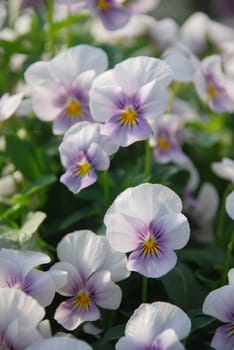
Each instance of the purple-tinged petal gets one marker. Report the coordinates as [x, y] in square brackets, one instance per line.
[76, 183]
[129, 343]
[152, 265]
[176, 230]
[74, 279]
[123, 232]
[167, 340]
[40, 286]
[44, 97]
[125, 135]
[223, 338]
[104, 99]
[24, 260]
[114, 18]
[104, 292]
[17, 337]
[220, 304]
[71, 316]
[100, 160]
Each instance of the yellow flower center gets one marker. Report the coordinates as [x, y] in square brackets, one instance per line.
[83, 168]
[73, 108]
[163, 143]
[103, 5]
[150, 247]
[82, 300]
[212, 90]
[128, 117]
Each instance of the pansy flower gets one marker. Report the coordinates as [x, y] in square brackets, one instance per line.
[146, 220]
[92, 268]
[127, 97]
[60, 87]
[213, 86]
[220, 304]
[166, 140]
[17, 271]
[20, 317]
[83, 151]
[158, 326]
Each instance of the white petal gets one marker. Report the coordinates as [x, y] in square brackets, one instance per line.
[176, 230]
[149, 320]
[135, 72]
[24, 260]
[107, 294]
[123, 231]
[60, 343]
[84, 250]
[115, 263]
[69, 64]
[219, 303]
[16, 305]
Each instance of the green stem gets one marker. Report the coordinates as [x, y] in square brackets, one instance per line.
[222, 212]
[144, 289]
[227, 260]
[147, 158]
[106, 187]
[50, 11]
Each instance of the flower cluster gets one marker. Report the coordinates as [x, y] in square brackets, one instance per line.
[116, 231]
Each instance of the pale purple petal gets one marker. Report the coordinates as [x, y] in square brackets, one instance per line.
[123, 232]
[125, 135]
[223, 338]
[114, 18]
[24, 260]
[130, 343]
[74, 279]
[220, 304]
[104, 98]
[76, 183]
[40, 286]
[70, 316]
[99, 158]
[44, 98]
[152, 265]
[176, 231]
[167, 340]
[105, 293]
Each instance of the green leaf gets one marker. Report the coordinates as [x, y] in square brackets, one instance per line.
[26, 157]
[36, 187]
[114, 333]
[182, 287]
[198, 319]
